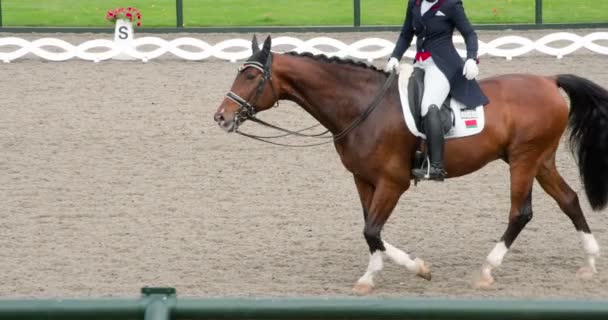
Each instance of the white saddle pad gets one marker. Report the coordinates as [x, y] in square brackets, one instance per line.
[467, 122]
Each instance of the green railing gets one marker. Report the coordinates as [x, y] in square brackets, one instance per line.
[163, 304]
[169, 15]
[539, 12]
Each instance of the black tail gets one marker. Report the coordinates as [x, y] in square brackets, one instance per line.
[589, 135]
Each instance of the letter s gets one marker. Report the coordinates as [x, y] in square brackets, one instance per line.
[122, 33]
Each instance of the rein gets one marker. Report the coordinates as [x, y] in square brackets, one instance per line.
[247, 111]
[288, 132]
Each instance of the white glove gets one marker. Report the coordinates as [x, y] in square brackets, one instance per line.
[470, 70]
[392, 64]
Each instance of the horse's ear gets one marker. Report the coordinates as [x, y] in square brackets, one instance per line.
[255, 47]
[267, 44]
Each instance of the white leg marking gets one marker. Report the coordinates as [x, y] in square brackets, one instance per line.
[494, 259]
[592, 249]
[373, 268]
[401, 258]
[498, 253]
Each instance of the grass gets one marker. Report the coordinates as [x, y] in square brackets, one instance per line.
[82, 13]
[157, 13]
[478, 11]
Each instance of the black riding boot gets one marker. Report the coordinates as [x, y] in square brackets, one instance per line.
[434, 137]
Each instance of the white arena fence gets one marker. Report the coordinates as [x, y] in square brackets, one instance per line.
[238, 49]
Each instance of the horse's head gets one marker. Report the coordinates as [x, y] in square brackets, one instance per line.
[252, 90]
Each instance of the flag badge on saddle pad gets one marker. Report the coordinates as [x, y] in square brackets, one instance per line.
[471, 124]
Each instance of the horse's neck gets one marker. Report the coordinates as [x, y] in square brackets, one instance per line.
[334, 94]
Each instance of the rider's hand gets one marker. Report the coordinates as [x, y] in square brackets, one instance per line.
[392, 64]
[470, 70]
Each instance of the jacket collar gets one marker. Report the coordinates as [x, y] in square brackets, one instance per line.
[435, 7]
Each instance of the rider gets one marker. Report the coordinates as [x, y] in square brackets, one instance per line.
[433, 22]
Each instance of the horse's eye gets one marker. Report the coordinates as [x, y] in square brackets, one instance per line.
[250, 77]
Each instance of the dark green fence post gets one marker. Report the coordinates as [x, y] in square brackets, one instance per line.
[179, 11]
[357, 7]
[539, 11]
[162, 300]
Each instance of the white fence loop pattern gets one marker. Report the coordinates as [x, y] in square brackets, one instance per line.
[238, 49]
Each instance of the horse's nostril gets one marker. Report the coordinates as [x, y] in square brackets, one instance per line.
[218, 117]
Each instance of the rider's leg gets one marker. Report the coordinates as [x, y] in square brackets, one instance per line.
[436, 86]
[436, 90]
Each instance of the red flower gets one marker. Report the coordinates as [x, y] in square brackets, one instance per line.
[124, 13]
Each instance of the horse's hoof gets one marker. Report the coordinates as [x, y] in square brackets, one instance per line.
[585, 273]
[424, 270]
[483, 282]
[363, 289]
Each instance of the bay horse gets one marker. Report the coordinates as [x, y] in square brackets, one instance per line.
[525, 120]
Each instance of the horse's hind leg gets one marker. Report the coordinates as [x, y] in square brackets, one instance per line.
[552, 182]
[523, 169]
[378, 203]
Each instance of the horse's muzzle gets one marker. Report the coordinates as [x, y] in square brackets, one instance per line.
[227, 124]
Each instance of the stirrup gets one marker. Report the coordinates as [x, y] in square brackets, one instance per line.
[423, 173]
[439, 175]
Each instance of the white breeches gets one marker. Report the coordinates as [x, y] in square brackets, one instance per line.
[436, 85]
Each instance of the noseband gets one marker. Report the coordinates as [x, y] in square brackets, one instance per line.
[247, 109]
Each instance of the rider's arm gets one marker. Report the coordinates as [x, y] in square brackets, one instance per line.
[406, 35]
[463, 25]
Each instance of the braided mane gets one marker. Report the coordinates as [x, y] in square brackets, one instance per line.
[336, 60]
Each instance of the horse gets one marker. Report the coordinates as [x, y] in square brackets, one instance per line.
[360, 105]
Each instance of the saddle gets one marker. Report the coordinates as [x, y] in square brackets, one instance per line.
[457, 119]
[415, 89]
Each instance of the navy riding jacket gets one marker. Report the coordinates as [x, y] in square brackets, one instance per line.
[434, 31]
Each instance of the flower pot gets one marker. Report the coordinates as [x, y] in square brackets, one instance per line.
[123, 39]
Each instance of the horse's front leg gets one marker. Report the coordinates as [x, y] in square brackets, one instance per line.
[378, 203]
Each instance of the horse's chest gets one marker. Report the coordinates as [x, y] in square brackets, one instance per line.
[347, 156]
[354, 161]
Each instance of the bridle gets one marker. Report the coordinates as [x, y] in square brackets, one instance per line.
[247, 110]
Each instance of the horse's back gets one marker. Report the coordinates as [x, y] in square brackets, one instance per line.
[523, 109]
[535, 112]
[526, 100]
[517, 84]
